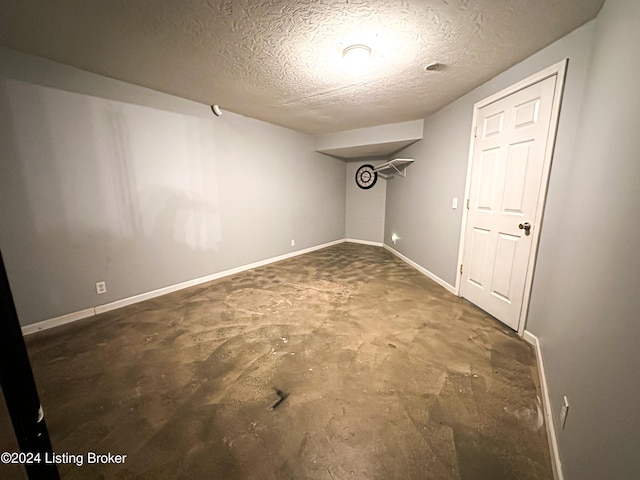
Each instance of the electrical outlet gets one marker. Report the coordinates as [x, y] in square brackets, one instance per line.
[564, 410]
[293, 243]
[101, 287]
[454, 202]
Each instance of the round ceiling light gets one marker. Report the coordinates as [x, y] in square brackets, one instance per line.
[432, 67]
[357, 53]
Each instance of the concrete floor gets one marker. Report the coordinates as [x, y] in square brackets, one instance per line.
[388, 376]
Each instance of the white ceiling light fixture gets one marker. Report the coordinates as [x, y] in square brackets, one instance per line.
[359, 50]
[358, 56]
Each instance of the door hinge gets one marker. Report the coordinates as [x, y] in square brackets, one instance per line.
[460, 268]
[468, 203]
[475, 132]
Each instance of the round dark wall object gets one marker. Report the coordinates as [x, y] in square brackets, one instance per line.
[366, 177]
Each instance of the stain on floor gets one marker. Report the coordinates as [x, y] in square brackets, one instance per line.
[381, 374]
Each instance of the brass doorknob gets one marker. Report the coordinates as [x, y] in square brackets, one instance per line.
[526, 226]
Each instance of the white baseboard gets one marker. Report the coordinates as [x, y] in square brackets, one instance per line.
[556, 464]
[89, 312]
[364, 242]
[424, 271]
[57, 321]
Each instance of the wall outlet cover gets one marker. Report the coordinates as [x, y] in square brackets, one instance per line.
[101, 287]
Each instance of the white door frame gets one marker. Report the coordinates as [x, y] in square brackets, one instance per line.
[559, 69]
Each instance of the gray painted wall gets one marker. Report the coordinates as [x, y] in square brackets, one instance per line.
[365, 211]
[143, 195]
[585, 302]
[585, 299]
[419, 207]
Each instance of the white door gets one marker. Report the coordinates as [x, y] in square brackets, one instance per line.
[507, 171]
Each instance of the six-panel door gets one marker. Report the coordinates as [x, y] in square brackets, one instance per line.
[506, 181]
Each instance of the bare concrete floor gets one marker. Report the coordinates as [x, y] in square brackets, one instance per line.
[388, 376]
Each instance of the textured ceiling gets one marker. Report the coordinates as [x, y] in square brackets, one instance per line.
[281, 61]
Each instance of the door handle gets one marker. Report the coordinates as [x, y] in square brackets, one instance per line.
[526, 226]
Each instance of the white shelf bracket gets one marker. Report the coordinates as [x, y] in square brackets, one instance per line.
[397, 166]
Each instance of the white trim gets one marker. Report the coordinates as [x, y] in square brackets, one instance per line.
[89, 312]
[424, 271]
[559, 70]
[364, 242]
[107, 307]
[556, 464]
[54, 322]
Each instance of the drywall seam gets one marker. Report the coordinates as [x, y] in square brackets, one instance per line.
[89, 312]
[546, 402]
[423, 270]
[364, 242]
